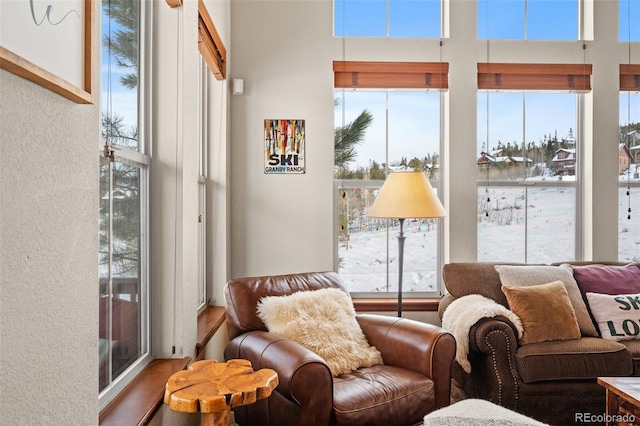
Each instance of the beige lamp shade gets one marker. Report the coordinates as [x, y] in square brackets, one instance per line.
[407, 195]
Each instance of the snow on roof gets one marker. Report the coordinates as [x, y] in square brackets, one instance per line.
[570, 150]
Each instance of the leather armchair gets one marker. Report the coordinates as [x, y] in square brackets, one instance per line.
[414, 380]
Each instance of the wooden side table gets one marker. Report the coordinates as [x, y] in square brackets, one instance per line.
[623, 400]
[213, 388]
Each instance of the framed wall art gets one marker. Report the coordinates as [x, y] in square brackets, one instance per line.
[284, 146]
[49, 43]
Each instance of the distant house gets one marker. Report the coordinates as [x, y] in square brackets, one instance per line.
[520, 160]
[486, 160]
[564, 161]
[634, 151]
[624, 158]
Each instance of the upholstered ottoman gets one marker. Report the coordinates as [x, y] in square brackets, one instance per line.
[477, 412]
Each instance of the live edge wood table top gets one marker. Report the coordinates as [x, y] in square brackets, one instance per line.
[623, 400]
[214, 388]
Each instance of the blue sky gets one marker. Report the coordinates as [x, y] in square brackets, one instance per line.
[369, 18]
[535, 114]
[545, 19]
[629, 8]
[414, 120]
[124, 101]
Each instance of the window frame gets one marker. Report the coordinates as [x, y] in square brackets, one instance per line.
[582, 32]
[443, 22]
[203, 160]
[624, 184]
[524, 185]
[438, 186]
[139, 158]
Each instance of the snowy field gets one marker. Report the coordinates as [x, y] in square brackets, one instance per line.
[501, 237]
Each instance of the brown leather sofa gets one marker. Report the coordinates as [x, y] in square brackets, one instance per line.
[549, 381]
[414, 380]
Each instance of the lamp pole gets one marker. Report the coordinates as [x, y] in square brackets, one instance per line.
[401, 239]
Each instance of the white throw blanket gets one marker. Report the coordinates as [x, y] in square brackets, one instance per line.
[463, 313]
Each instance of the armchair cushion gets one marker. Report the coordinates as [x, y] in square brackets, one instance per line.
[323, 321]
[362, 397]
[532, 303]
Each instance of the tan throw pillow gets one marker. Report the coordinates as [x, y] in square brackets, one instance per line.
[545, 311]
[323, 321]
[618, 316]
[518, 276]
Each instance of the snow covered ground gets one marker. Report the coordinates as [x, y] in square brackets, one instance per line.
[501, 237]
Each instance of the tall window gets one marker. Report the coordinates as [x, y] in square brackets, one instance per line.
[203, 153]
[528, 19]
[124, 184]
[528, 174]
[377, 132]
[387, 18]
[629, 170]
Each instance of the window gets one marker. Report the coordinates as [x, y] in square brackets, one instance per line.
[399, 130]
[528, 176]
[124, 186]
[629, 30]
[202, 184]
[388, 18]
[629, 170]
[528, 19]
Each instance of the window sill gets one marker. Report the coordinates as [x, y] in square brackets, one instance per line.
[137, 404]
[209, 321]
[391, 305]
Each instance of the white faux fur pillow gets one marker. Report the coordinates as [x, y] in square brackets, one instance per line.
[324, 322]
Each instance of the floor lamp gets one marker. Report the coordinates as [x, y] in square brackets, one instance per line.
[406, 195]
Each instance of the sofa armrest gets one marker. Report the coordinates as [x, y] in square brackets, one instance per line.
[297, 369]
[417, 346]
[493, 344]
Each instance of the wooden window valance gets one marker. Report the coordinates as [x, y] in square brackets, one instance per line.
[390, 75]
[501, 76]
[210, 44]
[629, 78]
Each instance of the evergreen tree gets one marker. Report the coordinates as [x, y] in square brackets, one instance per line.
[122, 42]
[347, 137]
[416, 164]
[377, 172]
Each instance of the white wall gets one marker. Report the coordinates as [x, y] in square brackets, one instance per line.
[281, 223]
[48, 255]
